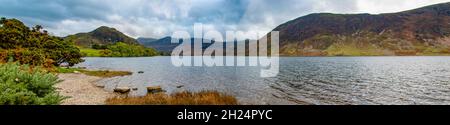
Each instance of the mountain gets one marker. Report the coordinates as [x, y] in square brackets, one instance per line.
[162, 45]
[422, 31]
[102, 36]
[165, 45]
[145, 41]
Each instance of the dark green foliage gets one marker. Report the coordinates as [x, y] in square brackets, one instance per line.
[34, 46]
[98, 46]
[22, 85]
[126, 50]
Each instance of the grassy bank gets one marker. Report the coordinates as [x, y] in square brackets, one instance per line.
[101, 73]
[180, 98]
[91, 52]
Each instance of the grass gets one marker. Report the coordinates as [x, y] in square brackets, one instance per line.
[435, 51]
[180, 98]
[66, 70]
[106, 73]
[91, 52]
[101, 73]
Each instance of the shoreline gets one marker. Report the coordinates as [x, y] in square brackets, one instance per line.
[81, 89]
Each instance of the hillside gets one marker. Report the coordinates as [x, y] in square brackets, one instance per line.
[101, 36]
[422, 31]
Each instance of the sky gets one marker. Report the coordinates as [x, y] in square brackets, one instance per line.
[160, 18]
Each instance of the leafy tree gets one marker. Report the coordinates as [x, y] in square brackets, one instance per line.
[98, 46]
[35, 46]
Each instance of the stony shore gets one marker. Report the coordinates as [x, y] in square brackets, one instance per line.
[81, 89]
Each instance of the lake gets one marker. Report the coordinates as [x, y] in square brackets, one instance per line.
[302, 80]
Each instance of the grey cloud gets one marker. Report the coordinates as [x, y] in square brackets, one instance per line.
[53, 10]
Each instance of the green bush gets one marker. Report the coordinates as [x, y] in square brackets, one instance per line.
[22, 85]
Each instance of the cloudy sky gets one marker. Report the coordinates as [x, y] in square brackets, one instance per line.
[159, 18]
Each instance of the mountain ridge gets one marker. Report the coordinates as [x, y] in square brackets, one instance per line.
[144, 40]
[410, 32]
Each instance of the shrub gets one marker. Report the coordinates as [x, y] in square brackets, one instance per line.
[22, 85]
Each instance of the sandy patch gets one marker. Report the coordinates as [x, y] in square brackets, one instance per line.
[82, 90]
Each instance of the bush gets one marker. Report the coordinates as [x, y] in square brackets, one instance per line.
[22, 85]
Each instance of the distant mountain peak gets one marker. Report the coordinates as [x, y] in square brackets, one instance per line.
[105, 28]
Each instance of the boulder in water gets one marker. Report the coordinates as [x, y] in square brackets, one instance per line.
[154, 89]
[122, 90]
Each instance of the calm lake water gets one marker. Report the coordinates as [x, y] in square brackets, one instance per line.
[302, 80]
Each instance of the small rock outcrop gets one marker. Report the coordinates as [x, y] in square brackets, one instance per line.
[122, 90]
[100, 85]
[154, 89]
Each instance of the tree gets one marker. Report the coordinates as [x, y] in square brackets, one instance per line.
[98, 46]
[35, 46]
[121, 49]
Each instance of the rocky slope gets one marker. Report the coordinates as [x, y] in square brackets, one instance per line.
[422, 31]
